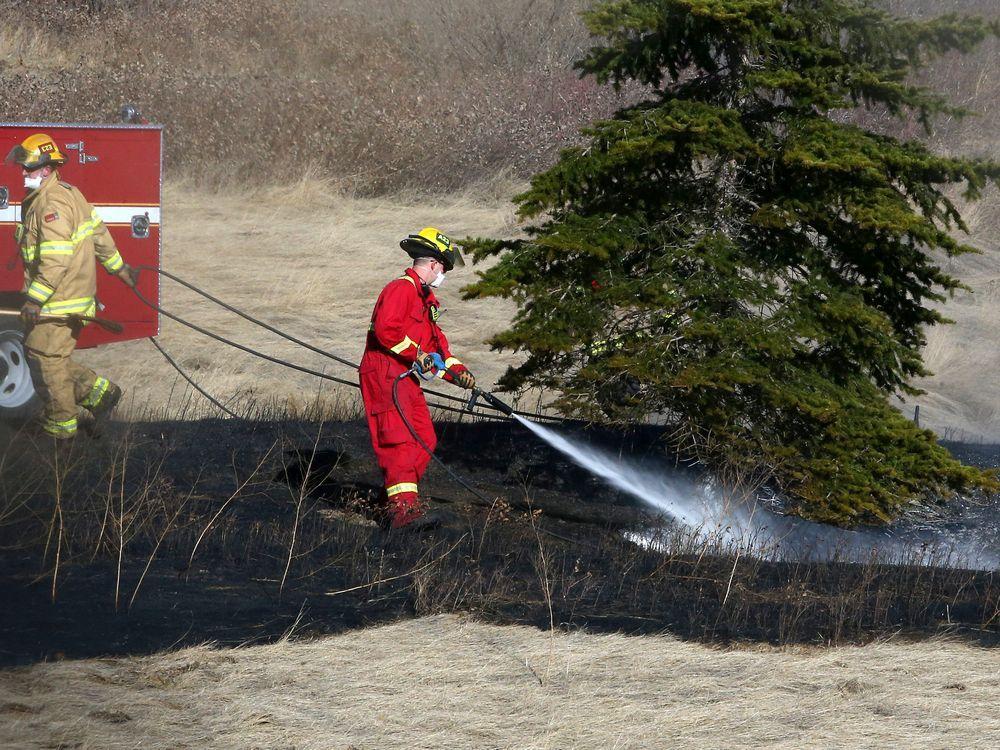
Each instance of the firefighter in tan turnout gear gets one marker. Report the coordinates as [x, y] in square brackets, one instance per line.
[61, 238]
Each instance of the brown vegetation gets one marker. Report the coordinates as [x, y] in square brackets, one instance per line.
[380, 94]
[446, 682]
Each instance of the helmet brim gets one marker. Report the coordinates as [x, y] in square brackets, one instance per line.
[20, 155]
[17, 155]
[419, 247]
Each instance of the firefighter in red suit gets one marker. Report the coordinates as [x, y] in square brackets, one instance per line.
[404, 335]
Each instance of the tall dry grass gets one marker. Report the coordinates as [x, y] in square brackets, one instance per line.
[387, 96]
[311, 260]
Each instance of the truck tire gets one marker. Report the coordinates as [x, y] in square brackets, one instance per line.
[18, 397]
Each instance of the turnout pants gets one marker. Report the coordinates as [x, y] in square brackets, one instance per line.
[400, 456]
[64, 385]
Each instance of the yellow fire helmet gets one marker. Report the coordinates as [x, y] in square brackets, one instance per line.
[432, 243]
[36, 151]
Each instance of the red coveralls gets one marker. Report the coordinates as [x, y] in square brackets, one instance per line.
[405, 319]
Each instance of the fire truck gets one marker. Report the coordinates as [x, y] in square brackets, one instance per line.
[119, 170]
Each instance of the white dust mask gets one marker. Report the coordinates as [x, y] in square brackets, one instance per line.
[438, 280]
[33, 183]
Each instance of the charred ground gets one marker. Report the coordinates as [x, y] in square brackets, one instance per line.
[170, 533]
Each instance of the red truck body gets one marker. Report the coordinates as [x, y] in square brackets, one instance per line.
[119, 170]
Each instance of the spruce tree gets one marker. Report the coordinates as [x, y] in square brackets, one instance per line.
[737, 256]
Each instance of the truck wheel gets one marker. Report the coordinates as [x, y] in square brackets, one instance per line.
[18, 398]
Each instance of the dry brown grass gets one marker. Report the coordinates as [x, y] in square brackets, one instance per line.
[447, 682]
[307, 259]
[382, 105]
[311, 259]
[963, 395]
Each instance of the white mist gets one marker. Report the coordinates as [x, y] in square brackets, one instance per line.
[742, 524]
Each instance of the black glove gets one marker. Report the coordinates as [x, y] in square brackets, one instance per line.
[129, 275]
[31, 312]
[464, 379]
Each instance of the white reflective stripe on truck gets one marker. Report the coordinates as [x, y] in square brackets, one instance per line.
[108, 214]
[124, 214]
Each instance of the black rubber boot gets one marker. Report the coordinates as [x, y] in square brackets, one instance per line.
[92, 421]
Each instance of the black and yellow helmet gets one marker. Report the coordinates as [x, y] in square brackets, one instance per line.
[36, 151]
[432, 243]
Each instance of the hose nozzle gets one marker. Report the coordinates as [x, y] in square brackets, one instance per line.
[494, 402]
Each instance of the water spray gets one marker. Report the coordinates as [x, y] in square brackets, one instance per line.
[739, 521]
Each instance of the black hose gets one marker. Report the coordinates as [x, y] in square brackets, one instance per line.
[261, 323]
[246, 316]
[491, 401]
[420, 441]
[269, 358]
[241, 347]
[190, 381]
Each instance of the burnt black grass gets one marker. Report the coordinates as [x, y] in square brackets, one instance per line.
[234, 531]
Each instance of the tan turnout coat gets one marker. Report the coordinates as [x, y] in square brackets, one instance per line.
[61, 237]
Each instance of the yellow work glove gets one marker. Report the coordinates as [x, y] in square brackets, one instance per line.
[424, 361]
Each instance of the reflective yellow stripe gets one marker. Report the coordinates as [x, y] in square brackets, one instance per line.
[55, 247]
[80, 305]
[114, 263]
[65, 427]
[39, 292]
[403, 345]
[401, 487]
[82, 232]
[93, 398]
[87, 228]
[410, 279]
[452, 361]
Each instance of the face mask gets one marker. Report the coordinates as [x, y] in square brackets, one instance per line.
[438, 280]
[33, 183]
